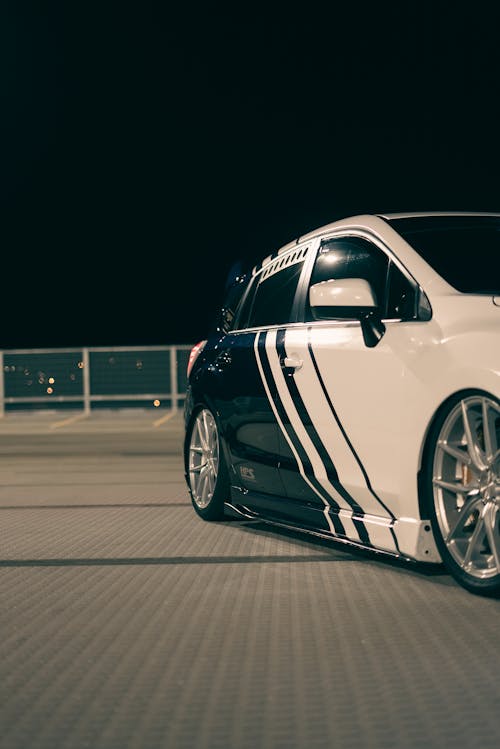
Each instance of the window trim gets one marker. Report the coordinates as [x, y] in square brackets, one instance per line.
[309, 251]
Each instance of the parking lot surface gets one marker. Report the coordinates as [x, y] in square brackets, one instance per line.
[127, 621]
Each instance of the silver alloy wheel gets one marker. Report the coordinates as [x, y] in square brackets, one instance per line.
[203, 458]
[466, 485]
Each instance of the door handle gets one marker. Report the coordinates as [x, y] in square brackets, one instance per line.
[289, 362]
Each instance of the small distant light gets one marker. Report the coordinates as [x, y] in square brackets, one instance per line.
[111, 360]
[138, 364]
[156, 403]
[51, 380]
[80, 365]
[27, 372]
[72, 377]
[41, 380]
[50, 390]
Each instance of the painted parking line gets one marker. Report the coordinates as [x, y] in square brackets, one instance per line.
[165, 418]
[70, 420]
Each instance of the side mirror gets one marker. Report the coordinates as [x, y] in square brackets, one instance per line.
[348, 298]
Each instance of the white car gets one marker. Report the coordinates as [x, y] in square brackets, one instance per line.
[351, 389]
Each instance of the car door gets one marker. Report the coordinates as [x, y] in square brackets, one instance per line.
[271, 302]
[240, 386]
[334, 393]
[247, 420]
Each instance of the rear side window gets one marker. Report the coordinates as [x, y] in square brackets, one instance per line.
[231, 303]
[273, 293]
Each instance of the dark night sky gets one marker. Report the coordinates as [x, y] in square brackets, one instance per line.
[144, 150]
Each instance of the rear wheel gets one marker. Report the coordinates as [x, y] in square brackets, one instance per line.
[207, 473]
[463, 490]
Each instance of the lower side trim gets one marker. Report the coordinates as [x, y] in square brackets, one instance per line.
[416, 542]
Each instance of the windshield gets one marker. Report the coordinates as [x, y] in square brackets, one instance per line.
[464, 250]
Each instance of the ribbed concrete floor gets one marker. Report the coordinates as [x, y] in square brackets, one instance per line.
[126, 621]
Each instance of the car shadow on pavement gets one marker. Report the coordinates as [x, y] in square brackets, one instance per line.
[203, 560]
[339, 551]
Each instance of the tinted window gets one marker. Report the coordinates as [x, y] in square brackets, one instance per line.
[400, 295]
[231, 302]
[353, 257]
[465, 251]
[246, 305]
[274, 296]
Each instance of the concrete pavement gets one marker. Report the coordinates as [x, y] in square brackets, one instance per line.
[126, 621]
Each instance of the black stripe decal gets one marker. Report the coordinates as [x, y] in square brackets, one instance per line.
[344, 434]
[330, 469]
[280, 408]
[308, 470]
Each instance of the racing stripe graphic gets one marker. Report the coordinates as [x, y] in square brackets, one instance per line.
[316, 442]
[313, 471]
[379, 522]
[333, 520]
[346, 438]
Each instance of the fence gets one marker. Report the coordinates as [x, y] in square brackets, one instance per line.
[88, 378]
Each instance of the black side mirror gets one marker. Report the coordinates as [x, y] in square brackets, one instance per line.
[372, 327]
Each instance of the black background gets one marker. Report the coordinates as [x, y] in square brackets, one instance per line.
[146, 149]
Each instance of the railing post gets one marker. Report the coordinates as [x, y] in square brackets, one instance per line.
[86, 381]
[2, 387]
[173, 379]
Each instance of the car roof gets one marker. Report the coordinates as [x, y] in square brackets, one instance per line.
[365, 221]
[430, 214]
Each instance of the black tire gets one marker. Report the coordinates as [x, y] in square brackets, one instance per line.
[461, 489]
[206, 469]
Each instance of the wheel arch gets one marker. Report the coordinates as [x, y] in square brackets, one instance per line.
[428, 436]
[198, 404]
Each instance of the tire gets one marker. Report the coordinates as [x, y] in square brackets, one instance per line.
[205, 467]
[462, 489]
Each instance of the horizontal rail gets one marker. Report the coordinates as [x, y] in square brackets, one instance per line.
[97, 349]
[80, 398]
[167, 372]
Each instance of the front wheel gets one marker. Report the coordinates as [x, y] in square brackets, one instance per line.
[462, 490]
[206, 469]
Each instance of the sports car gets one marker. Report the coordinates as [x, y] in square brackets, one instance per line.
[350, 388]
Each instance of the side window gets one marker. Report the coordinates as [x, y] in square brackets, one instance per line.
[231, 303]
[354, 257]
[246, 305]
[275, 292]
[401, 296]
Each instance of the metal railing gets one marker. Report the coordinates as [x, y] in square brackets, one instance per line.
[118, 376]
